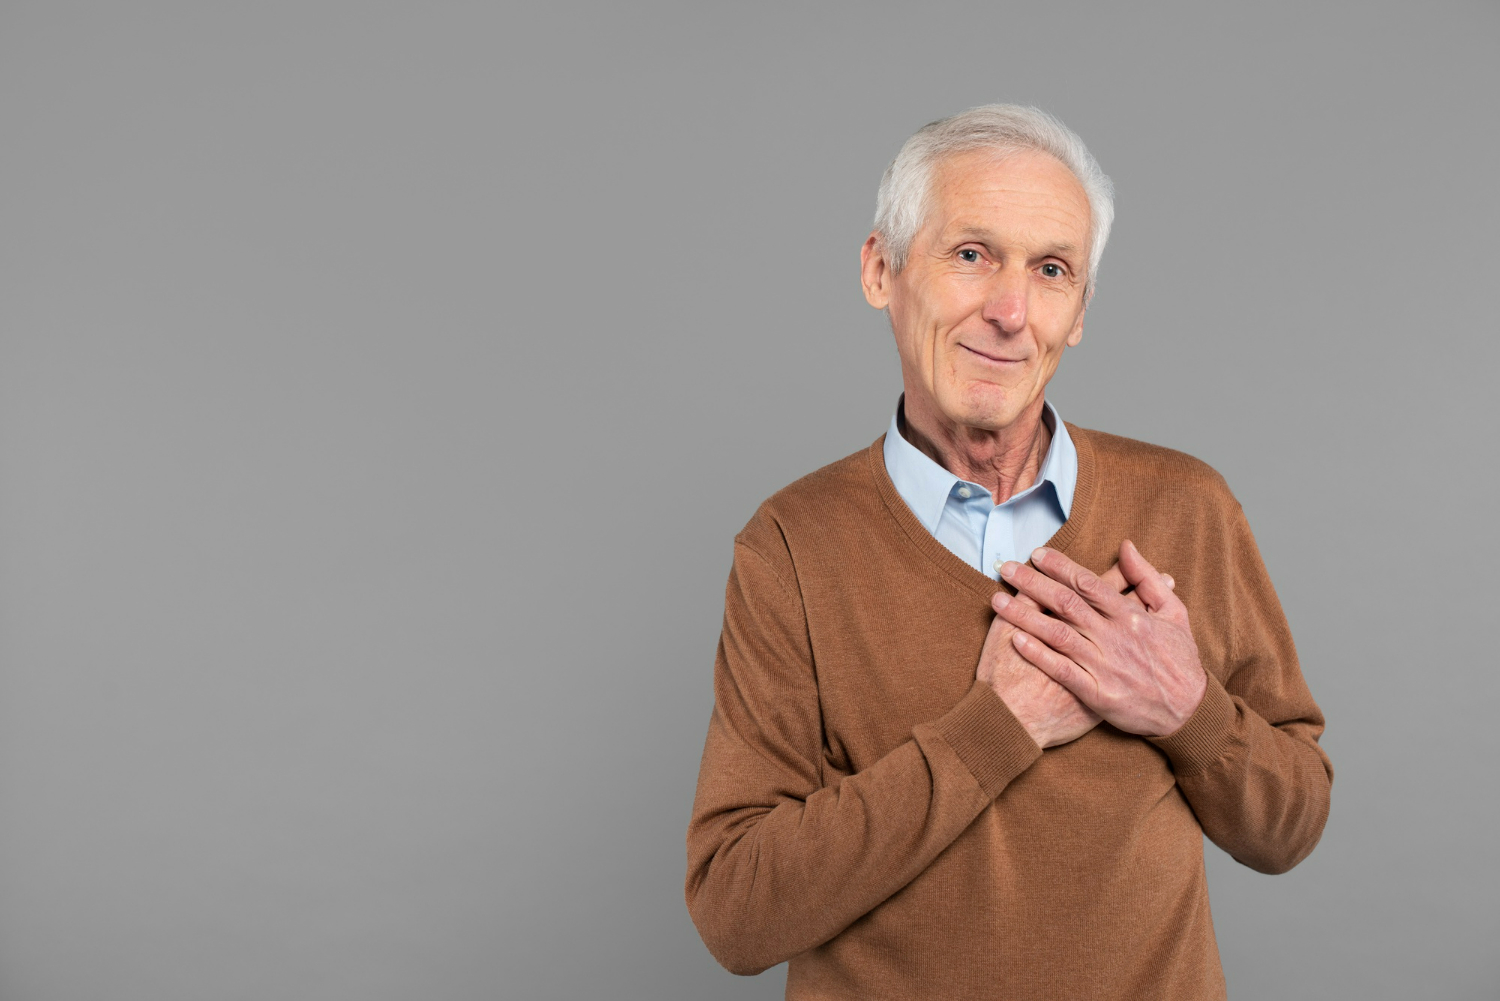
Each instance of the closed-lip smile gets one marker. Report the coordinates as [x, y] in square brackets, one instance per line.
[990, 357]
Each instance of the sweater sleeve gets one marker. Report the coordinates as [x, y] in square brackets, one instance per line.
[783, 852]
[1248, 759]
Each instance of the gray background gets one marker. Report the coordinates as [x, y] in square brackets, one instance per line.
[381, 386]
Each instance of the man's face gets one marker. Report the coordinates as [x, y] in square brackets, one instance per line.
[993, 288]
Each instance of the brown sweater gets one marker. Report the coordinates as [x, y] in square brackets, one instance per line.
[869, 812]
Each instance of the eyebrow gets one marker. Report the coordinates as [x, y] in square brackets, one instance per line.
[984, 236]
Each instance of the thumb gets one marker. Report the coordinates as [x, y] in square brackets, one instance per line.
[1149, 583]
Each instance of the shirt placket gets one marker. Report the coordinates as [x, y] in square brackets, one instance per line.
[999, 538]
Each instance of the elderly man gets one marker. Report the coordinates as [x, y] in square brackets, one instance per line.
[983, 686]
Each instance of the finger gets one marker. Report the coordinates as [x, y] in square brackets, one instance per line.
[1127, 589]
[1057, 667]
[1059, 597]
[999, 597]
[1149, 582]
[1080, 578]
[1055, 632]
[1114, 580]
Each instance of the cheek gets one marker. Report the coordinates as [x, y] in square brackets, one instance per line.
[929, 319]
[923, 329]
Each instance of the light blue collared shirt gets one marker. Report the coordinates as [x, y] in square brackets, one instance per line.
[963, 515]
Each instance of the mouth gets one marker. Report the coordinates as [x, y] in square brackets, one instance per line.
[994, 359]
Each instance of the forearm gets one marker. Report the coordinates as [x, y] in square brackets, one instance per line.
[1260, 791]
[775, 871]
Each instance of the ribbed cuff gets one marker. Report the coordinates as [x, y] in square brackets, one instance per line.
[987, 738]
[1207, 734]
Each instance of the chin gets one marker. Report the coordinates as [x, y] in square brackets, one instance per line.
[985, 408]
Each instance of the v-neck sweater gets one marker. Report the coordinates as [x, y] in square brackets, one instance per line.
[870, 812]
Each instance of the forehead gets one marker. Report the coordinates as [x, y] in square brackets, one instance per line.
[1017, 197]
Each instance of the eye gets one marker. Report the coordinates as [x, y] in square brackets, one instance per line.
[969, 255]
[1050, 270]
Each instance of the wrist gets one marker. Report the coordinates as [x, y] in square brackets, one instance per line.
[1183, 708]
[1203, 739]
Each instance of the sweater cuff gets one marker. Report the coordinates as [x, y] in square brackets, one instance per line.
[988, 738]
[1207, 734]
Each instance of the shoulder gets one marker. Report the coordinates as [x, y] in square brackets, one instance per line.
[1125, 466]
[820, 504]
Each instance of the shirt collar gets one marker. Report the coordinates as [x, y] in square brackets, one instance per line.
[925, 485]
[1060, 464]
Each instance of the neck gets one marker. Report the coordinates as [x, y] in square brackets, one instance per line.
[1004, 461]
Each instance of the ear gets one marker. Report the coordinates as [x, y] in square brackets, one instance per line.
[875, 272]
[1076, 334]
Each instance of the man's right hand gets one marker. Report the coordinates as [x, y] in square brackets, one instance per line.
[1051, 714]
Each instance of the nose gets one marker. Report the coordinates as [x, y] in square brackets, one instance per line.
[1006, 301]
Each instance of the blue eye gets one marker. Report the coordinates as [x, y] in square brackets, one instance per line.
[969, 256]
[1052, 271]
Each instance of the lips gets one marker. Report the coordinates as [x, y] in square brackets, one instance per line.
[992, 358]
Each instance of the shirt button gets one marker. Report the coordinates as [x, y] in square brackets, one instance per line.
[998, 565]
[965, 492]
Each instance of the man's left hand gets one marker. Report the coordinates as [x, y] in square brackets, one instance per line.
[1135, 663]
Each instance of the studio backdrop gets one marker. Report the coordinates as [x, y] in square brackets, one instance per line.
[381, 387]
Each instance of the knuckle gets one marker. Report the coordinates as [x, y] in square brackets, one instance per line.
[1058, 635]
[1070, 605]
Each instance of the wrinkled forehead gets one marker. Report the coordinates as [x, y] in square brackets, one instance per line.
[1007, 195]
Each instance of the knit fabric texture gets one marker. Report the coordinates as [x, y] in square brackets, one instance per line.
[871, 813]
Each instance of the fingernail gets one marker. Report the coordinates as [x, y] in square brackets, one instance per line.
[1037, 555]
[1008, 567]
[1001, 599]
[1021, 639]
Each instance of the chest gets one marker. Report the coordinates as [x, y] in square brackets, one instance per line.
[898, 644]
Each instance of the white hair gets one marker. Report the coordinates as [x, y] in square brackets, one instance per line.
[1003, 129]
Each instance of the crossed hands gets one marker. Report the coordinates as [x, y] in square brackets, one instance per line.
[1126, 658]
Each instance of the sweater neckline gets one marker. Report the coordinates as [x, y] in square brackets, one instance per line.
[943, 558]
